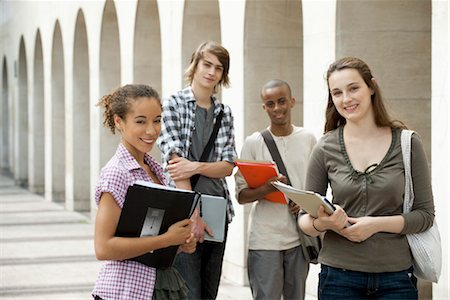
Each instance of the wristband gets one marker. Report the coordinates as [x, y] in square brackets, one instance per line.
[315, 228]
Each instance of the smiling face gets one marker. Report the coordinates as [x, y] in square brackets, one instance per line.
[351, 95]
[209, 71]
[141, 126]
[278, 102]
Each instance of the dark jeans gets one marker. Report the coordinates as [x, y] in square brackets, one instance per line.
[335, 283]
[202, 269]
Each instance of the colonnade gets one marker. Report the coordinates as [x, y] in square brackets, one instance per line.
[59, 58]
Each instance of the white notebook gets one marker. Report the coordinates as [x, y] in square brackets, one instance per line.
[214, 212]
[308, 201]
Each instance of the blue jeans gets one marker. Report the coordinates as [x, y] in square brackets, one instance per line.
[335, 283]
[202, 269]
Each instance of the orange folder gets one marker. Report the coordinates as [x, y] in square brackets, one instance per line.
[256, 173]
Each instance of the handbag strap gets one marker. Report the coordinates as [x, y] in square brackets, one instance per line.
[209, 145]
[406, 153]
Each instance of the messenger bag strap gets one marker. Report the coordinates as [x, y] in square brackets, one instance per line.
[209, 145]
[310, 245]
[273, 149]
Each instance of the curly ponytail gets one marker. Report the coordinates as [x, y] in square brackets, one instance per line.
[108, 114]
[118, 102]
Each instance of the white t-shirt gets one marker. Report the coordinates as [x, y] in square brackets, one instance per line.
[271, 225]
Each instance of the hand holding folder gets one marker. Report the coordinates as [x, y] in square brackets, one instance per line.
[307, 200]
[257, 173]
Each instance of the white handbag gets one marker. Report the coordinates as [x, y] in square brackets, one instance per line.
[425, 246]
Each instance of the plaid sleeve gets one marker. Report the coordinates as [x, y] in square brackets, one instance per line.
[114, 181]
[226, 136]
[169, 141]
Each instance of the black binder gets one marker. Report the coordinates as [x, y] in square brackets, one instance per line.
[150, 209]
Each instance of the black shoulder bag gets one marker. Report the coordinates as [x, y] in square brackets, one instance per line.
[209, 145]
[310, 245]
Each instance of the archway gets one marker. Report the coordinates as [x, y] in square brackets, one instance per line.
[5, 127]
[147, 45]
[147, 50]
[37, 137]
[273, 40]
[201, 22]
[21, 158]
[58, 127]
[395, 41]
[80, 116]
[109, 74]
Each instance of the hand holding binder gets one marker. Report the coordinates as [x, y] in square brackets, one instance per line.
[151, 209]
[178, 230]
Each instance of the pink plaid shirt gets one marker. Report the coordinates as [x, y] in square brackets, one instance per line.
[125, 279]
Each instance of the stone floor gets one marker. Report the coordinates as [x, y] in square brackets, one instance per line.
[47, 252]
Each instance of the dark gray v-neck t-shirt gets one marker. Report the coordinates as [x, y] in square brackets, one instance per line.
[204, 124]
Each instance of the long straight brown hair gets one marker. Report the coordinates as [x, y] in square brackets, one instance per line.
[382, 117]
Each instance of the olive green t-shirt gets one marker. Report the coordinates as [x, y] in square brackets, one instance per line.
[376, 192]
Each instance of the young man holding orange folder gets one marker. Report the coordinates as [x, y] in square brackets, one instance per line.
[276, 265]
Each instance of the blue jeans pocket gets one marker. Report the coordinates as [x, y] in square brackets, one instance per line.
[322, 279]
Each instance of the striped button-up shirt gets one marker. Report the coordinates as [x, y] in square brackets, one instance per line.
[178, 124]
